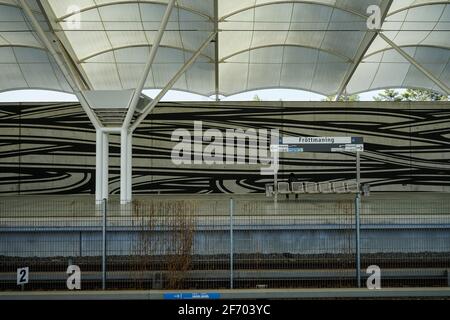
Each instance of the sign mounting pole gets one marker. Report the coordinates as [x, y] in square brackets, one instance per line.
[319, 144]
[358, 170]
[275, 185]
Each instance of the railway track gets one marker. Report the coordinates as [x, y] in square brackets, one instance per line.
[199, 279]
[250, 271]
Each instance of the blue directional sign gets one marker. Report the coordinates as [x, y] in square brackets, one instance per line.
[295, 149]
[191, 296]
[319, 144]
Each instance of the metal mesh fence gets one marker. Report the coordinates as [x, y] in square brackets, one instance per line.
[292, 244]
[408, 239]
[214, 242]
[47, 235]
[170, 244]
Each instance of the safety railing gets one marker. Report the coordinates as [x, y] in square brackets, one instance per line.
[221, 242]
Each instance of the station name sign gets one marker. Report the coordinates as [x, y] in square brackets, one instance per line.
[319, 144]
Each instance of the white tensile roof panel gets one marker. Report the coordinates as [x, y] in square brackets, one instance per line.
[62, 7]
[322, 46]
[24, 65]
[422, 25]
[389, 69]
[421, 29]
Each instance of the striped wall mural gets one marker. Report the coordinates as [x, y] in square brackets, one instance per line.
[50, 148]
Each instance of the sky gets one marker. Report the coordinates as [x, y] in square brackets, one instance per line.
[173, 95]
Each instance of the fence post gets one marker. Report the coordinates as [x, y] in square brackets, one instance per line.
[448, 277]
[231, 241]
[104, 212]
[358, 238]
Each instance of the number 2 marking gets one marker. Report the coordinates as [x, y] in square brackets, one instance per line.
[23, 273]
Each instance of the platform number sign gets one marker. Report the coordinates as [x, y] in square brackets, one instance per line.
[22, 275]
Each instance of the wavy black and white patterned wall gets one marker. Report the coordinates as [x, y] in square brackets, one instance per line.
[50, 149]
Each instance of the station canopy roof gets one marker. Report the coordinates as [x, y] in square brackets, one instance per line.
[322, 46]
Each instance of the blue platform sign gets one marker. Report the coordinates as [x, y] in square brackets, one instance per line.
[191, 296]
[295, 149]
[319, 144]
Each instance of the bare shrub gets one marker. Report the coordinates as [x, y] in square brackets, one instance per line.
[165, 241]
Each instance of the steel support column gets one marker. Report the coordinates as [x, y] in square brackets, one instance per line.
[126, 133]
[125, 167]
[101, 185]
[71, 79]
[416, 64]
[369, 38]
[149, 107]
[101, 166]
[146, 71]
[105, 166]
[130, 165]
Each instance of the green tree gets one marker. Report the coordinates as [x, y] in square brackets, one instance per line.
[410, 95]
[353, 97]
[389, 95]
[256, 98]
[422, 95]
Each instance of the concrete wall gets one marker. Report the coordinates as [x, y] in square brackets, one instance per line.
[87, 243]
[50, 149]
